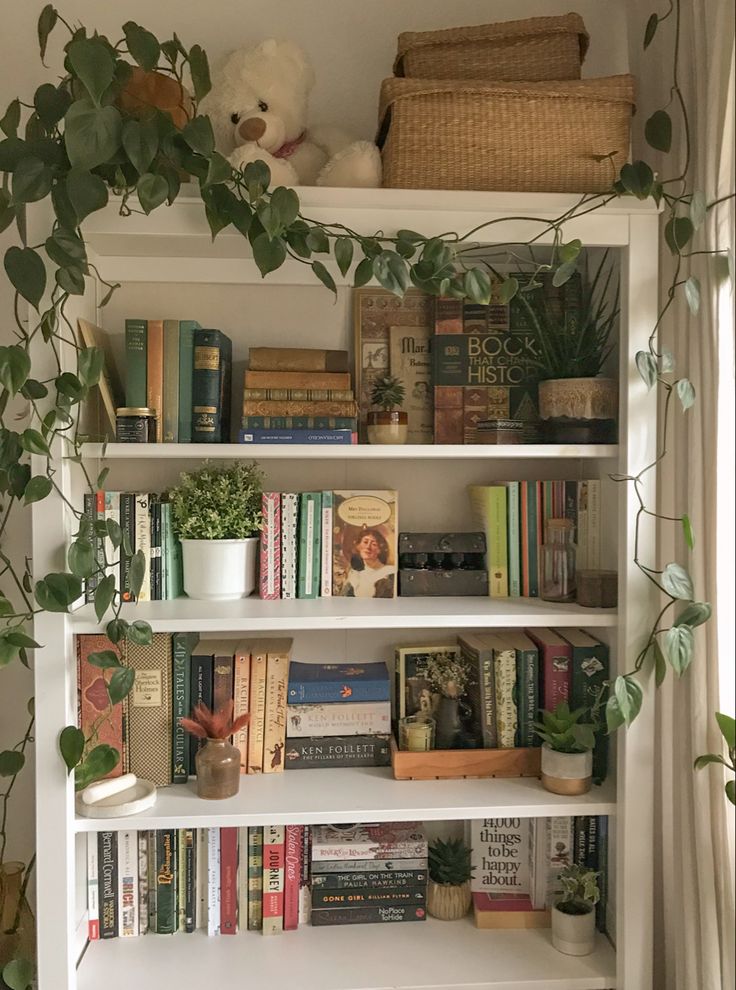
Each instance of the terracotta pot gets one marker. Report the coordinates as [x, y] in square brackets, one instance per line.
[573, 934]
[218, 770]
[17, 924]
[448, 902]
[566, 773]
[579, 410]
[388, 427]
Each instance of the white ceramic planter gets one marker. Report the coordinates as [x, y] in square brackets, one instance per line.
[573, 934]
[566, 773]
[219, 570]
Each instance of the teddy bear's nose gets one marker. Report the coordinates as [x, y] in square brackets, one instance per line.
[252, 129]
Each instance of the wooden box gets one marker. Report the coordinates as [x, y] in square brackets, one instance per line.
[453, 764]
[442, 564]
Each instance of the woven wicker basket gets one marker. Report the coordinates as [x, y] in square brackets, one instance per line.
[536, 48]
[518, 137]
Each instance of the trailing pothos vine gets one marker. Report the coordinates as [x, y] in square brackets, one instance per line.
[75, 143]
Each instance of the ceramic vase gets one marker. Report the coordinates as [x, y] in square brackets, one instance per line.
[566, 773]
[579, 410]
[219, 570]
[388, 427]
[448, 728]
[573, 934]
[218, 770]
[447, 901]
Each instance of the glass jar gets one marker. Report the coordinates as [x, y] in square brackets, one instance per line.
[557, 562]
[135, 424]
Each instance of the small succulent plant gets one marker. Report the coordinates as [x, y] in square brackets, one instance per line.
[563, 730]
[388, 393]
[449, 862]
[208, 724]
[578, 893]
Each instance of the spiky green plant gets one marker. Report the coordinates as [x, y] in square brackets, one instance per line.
[218, 503]
[388, 392]
[578, 893]
[563, 730]
[449, 862]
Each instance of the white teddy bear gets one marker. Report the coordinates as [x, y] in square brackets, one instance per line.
[258, 109]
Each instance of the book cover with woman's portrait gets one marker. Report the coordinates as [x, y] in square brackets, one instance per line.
[364, 544]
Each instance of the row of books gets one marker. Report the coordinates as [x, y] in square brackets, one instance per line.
[183, 372]
[513, 516]
[517, 862]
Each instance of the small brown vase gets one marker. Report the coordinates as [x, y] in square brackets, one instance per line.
[218, 769]
[17, 924]
[448, 902]
[387, 426]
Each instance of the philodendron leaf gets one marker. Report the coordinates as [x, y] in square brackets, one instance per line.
[650, 30]
[11, 762]
[692, 294]
[727, 725]
[687, 531]
[92, 134]
[137, 572]
[343, 254]
[677, 233]
[120, 684]
[56, 592]
[140, 633]
[614, 716]
[27, 273]
[571, 250]
[37, 489]
[142, 45]
[324, 276]
[647, 366]
[685, 393]
[731, 791]
[97, 764]
[31, 180]
[81, 557]
[94, 64]
[51, 104]
[104, 659]
[660, 664]
[704, 761]
[15, 366]
[140, 141]
[18, 973]
[71, 744]
[153, 190]
[104, 593]
[564, 273]
[507, 290]
[11, 119]
[698, 209]
[679, 647]
[269, 253]
[658, 131]
[677, 582]
[200, 72]
[694, 614]
[637, 178]
[87, 192]
[477, 286]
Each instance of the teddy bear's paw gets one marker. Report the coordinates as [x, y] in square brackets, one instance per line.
[357, 166]
[283, 172]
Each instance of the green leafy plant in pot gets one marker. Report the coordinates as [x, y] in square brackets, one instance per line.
[568, 739]
[217, 516]
[450, 872]
[388, 423]
[573, 912]
[577, 404]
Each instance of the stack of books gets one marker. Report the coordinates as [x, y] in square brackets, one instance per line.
[338, 715]
[298, 395]
[183, 373]
[369, 873]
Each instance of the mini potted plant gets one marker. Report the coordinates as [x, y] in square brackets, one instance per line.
[218, 761]
[576, 403]
[216, 513]
[573, 913]
[567, 748]
[448, 891]
[388, 423]
[448, 675]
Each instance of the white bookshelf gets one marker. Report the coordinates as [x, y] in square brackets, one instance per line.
[169, 255]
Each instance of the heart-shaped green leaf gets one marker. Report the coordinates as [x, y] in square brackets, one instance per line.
[120, 684]
[269, 253]
[692, 294]
[56, 592]
[650, 30]
[11, 119]
[677, 233]
[92, 134]
[677, 582]
[685, 393]
[87, 192]
[647, 367]
[698, 209]
[71, 744]
[104, 659]
[324, 276]
[104, 593]
[687, 531]
[200, 72]
[142, 45]
[51, 104]
[18, 974]
[81, 557]
[477, 285]
[137, 572]
[140, 633]
[94, 64]
[98, 763]
[658, 131]
[11, 762]
[694, 614]
[31, 180]
[679, 647]
[15, 366]
[140, 141]
[37, 489]
[153, 190]
[344, 254]
[27, 273]
[727, 725]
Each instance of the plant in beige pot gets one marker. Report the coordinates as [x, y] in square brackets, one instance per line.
[388, 423]
[448, 891]
[568, 739]
[577, 403]
[218, 761]
[573, 912]
[217, 516]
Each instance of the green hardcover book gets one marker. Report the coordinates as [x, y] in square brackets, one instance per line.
[489, 506]
[308, 563]
[514, 538]
[527, 686]
[171, 382]
[590, 672]
[255, 879]
[481, 690]
[211, 377]
[186, 367]
[167, 909]
[182, 646]
[136, 332]
[164, 509]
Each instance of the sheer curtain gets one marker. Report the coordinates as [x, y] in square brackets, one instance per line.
[694, 898]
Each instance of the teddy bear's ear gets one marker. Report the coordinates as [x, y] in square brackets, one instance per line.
[293, 62]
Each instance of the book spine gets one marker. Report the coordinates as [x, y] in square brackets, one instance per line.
[359, 719]
[325, 590]
[171, 382]
[325, 850]
[366, 915]
[143, 907]
[534, 537]
[538, 862]
[299, 423]
[299, 394]
[255, 879]
[151, 876]
[241, 701]
[291, 407]
[155, 373]
[325, 437]
[270, 547]
[481, 692]
[582, 543]
[273, 879]
[200, 692]
[594, 525]
[213, 881]
[512, 498]
[182, 644]
[93, 697]
[149, 709]
[257, 710]
[202, 867]
[527, 663]
[277, 677]
[107, 859]
[321, 692]
[337, 751]
[127, 525]
[136, 389]
[305, 889]
[112, 514]
[209, 392]
[292, 874]
[186, 367]
[228, 881]
[601, 908]
[222, 681]
[289, 502]
[383, 865]
[154, 506]
[90, 511]
[559, 852]
[308, 568]
[298, 359]
[127, 884]
[165, 545]
[297, 379]
[571, 509]
[580, 841]
[181, 879]
[242, 897]
[368, 897]
[556, 675]
[167, 911]
[498, 573]
[504, 675]
[370, 879]
[143, 542]
[190, 881]
[93, 887]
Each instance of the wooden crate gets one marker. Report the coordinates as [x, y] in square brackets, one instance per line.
[451, 764]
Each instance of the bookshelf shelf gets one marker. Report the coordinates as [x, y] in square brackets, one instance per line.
[311, 797]
[432, 955]
[256, 615]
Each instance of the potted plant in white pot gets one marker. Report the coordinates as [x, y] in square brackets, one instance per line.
[448, 891]
[567, 748]
[577, 403]
[388, 423]
[217, 516]
[573, 913]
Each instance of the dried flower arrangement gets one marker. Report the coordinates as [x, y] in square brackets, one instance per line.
[208, 724]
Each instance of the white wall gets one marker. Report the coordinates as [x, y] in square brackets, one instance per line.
[352, 44]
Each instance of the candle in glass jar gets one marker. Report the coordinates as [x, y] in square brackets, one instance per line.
[416, 733]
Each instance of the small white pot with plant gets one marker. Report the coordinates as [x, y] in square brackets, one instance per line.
[388, 423]
[573, 912]
[448, 891]
[217, 516]
[567, 748]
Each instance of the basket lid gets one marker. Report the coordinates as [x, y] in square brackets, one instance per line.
[563, 24]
